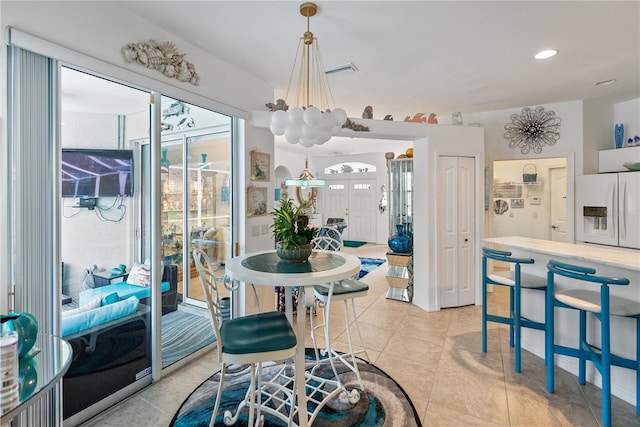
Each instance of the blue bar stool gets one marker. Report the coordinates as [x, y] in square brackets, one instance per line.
[602, 305]
[515, 280]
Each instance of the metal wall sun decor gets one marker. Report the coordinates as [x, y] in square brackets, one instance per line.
[532, 130]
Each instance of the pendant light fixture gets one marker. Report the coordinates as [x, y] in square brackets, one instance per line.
[306, 179]
[313, 119]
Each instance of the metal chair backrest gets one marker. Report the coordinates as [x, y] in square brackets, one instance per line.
[205, 272]
[330, 232]
[326, 243]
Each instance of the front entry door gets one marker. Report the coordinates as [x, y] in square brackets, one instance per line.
[362, 210]
[355, 202]
[336, 203]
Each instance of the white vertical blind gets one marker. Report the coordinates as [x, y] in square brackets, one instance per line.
[34, 222]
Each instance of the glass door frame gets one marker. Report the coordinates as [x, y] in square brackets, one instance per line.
[185, 138]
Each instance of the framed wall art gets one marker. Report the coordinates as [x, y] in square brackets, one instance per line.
[256, 201]
[260, 166]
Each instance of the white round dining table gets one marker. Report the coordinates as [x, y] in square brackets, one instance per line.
[267, 269]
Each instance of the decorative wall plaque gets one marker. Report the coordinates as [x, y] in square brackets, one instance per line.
[532, 130]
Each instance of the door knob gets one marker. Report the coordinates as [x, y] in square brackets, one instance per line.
[466, 240]
[554, 227]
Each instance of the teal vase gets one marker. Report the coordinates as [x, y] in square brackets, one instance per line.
[400, 242]
[26, 326]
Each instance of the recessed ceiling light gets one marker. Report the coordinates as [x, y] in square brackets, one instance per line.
[546, 54]
[606, 82]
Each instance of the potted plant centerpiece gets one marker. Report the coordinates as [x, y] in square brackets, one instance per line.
[292, 232]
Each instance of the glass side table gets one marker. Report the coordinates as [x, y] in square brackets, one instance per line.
[50, 362]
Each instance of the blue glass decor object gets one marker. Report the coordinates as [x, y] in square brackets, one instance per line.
[26, 326]
[400, 242]
[164, 161]
[619, 135]
[27, 377]
[204, 161]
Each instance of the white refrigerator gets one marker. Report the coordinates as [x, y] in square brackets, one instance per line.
[608, 209]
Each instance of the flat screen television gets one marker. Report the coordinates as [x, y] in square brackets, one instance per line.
[92, 173]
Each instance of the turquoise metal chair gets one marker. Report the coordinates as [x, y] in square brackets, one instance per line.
[602, 306]
[516, 280]
[252, 339]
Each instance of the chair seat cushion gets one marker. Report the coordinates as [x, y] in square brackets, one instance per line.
[507, 278]
[343, 287]
[586, 300]
[257, 333]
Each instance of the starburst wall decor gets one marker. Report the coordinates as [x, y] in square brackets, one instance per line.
[532, 130]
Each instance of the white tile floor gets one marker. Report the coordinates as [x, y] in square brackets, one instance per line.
[437, 359]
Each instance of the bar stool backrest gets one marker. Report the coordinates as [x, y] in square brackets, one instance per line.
[505, 256]
[582, 273]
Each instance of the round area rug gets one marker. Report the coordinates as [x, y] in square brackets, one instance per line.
[383, 403]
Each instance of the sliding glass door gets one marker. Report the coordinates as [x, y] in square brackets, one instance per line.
[195, 212]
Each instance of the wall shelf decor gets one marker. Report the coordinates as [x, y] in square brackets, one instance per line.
[532, 130]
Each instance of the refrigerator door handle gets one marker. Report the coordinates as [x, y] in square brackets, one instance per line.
[612, 206]
[622, 214]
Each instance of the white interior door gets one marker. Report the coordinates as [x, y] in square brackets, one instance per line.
[558, 204]
[363, 207]
[456, 201]
[336, 203]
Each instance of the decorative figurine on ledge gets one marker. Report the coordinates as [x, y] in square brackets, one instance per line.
[417, 118]
[280, 104]
[368, 112]
[355, 126]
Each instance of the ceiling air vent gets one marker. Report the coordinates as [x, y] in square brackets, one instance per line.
[341, 69]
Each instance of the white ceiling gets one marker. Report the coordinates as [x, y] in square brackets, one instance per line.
[425, 56]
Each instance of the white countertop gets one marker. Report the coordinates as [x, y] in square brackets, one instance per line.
[616, 257]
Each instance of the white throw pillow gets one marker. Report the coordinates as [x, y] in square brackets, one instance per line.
[94, 303]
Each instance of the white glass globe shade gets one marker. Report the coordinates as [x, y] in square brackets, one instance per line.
[279, 119]
[328, 121]
[306, 142]
[309, 132]
[278, 131]
[312, 116]
[291, 139]
[323, 137]
[293, 132]
[340, 115]
[295, 116]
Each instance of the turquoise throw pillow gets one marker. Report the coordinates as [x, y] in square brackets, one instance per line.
[110, 298]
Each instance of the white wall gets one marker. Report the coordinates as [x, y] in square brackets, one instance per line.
[497, 147]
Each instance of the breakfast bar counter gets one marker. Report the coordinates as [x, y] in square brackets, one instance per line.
[612, 262]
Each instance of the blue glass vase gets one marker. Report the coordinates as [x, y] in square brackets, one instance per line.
[400, 242]
[26, 326]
